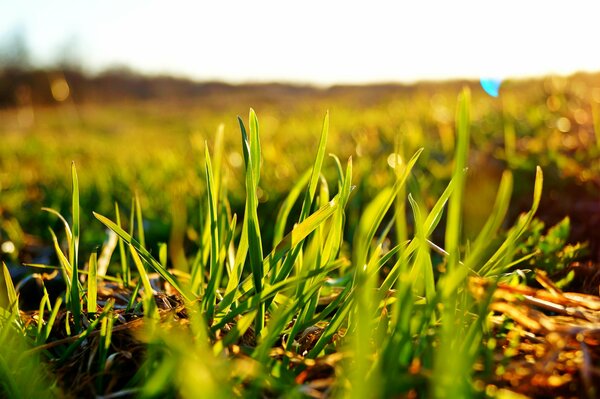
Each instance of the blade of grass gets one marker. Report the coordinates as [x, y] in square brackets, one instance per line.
[430, 224]
[125, 271]
[254, 237]
[215, 271]
[8, 295]
[308, 199]
[68, 233]
[143, 252]
[286, 208]
[106, 328]
[336, 234]
[140, 221]
[150, 310]
[92, 293]
[254, 143]
[491, 266]
[316, 170]
[375, 212]
[422, 269]
[492, 225]
[52, 318]
[290, 241]
[75, 304]
[453, 225]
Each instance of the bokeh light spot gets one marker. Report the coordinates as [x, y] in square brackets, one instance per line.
[235, 159]
[8, 247]
[60, 89]
[394, 160]
[563, 124]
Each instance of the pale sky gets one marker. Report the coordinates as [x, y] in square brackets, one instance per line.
[321, 42]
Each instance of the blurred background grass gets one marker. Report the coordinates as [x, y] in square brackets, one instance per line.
[129, 133]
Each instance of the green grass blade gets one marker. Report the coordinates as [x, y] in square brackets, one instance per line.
[255, 146]
[64, 262]
[148, 298]
[74, 252]
[143, 252]
[8, 295]
[140, 221]
[335, 237]
[286, 207]
[52, 318]
[68, 233]
[218, 157]
[333, 327]
[106, 328]
[92, 293]
[430, 224]
[364, 371]
[375, 212]
[291, 240]
[215, 271]
[235, 274]
[142, 271]
[254, 237]
[454, 225]
[236, 332]
[491, 266]
[421, 274]
[492, 225]
[316, 170]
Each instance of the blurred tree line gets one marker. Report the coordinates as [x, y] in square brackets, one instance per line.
[23, 82]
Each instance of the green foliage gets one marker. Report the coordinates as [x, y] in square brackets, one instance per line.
[551, 251]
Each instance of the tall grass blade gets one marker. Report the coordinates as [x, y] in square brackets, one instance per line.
[125, 271]
[140, 221]
[74, 259]
[286, 207]
[149, 304]
[291, 240]
[335, 237]
[8, 295]
[422, 269]
[375, 212]
[254, 141]
[64, 262]
[316, 170]
[454, 225]
[143, 252]
[215, 271]
[493, 263]
[254, 237]
[92, 292]
[68, 232]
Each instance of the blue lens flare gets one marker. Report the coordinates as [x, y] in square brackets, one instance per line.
[491, 86]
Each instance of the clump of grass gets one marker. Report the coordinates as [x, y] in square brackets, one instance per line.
[308, 318]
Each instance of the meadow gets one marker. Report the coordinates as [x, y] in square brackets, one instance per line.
[376, 241]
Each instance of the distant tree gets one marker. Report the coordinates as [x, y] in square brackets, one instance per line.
[14, 51]
[68, 55]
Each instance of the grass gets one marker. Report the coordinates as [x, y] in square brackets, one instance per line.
[345, 302]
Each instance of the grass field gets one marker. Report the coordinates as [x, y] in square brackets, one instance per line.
[426, 241]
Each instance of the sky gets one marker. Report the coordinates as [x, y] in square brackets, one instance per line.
[320, 42]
